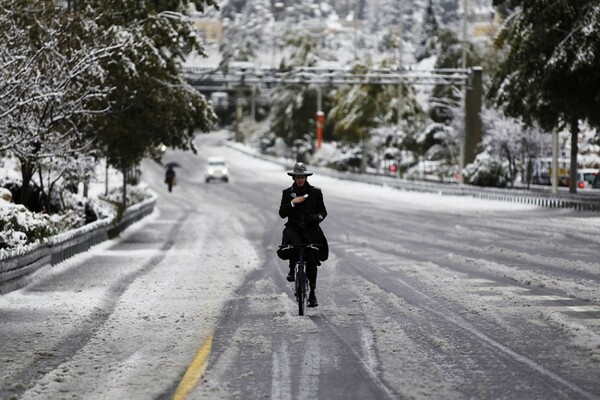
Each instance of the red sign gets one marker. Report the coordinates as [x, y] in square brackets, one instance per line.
[320, 123]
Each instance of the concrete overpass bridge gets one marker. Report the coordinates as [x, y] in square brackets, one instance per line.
[245, 76]
[244, 79]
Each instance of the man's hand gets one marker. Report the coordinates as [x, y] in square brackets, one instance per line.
[316, 217]
[298, 200]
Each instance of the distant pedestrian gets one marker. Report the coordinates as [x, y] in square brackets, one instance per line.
[170, 177]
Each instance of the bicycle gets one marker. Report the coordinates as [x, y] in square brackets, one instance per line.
[301, 281]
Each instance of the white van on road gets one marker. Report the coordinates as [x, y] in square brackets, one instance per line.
[216, 169]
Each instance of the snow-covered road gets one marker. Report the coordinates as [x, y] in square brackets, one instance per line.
[423, 297]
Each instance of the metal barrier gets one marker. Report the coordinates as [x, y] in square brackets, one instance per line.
[17, 268]
[578, 202]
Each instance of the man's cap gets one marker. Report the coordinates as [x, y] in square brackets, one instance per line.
[299, 170]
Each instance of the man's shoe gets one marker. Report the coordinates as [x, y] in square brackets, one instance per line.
[290, 276]
[312, 300]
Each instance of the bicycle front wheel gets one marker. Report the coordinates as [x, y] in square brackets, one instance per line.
[301, 289]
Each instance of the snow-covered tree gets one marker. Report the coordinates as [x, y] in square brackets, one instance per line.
[96, 74]
[487, 170]
[440, 143]
[589, 147]
[388, 142]
[246, 32]
[558, 86]
[445, 98]
[294, 107]
[389, 21]
[510, 145]
[152, 104]
[449, 10]
[504, 135]
[360, 108]
[355, 112]
[50, 82]
[427, 45]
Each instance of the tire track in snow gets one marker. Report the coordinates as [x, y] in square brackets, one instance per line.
[434, 307]
[366, 365]
[281, 374]
[309, 379]
[461, 323]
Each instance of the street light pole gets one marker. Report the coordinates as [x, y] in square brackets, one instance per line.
[554, 167]
[400, 60]
[400, 68]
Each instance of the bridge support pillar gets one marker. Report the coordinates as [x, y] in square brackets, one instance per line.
[239, 112]
[473, 100]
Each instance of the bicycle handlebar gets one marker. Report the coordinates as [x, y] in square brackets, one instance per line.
[300, 246]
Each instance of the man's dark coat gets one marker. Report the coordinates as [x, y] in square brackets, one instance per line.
[303, 219]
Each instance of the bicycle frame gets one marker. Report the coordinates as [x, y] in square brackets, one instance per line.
[301, 280]
[301, 283]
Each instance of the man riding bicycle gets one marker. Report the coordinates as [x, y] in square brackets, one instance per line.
[302, 204]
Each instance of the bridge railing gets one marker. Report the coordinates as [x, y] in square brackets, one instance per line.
[250, 75]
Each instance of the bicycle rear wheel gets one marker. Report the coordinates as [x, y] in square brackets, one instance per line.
[301, 289]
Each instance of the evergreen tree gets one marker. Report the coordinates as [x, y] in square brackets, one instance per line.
[149, 103]
[388, 22]
[449, 12]
[245, 32]
[361, 10]
[552, 71]
[358, 109]
[446, 98]
[429, 33]
[295, 106]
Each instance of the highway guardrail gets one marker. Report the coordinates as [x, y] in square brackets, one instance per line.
[17, 268]
[582, 201]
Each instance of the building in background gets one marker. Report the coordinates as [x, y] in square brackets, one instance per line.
[210, 30]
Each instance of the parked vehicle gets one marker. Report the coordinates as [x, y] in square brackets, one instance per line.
[596, 183]
[542, 171]
[541, 179]
[216, 169]
[563, 181]
[585, 178]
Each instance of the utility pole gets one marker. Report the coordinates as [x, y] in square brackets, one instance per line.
[364, 157]
[473, 102]
[400, 69]
[355, 20]
[253, 103]
[400, 60]
[238, 115]
[465, 4]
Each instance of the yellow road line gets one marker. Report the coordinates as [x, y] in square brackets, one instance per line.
[194, 371]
